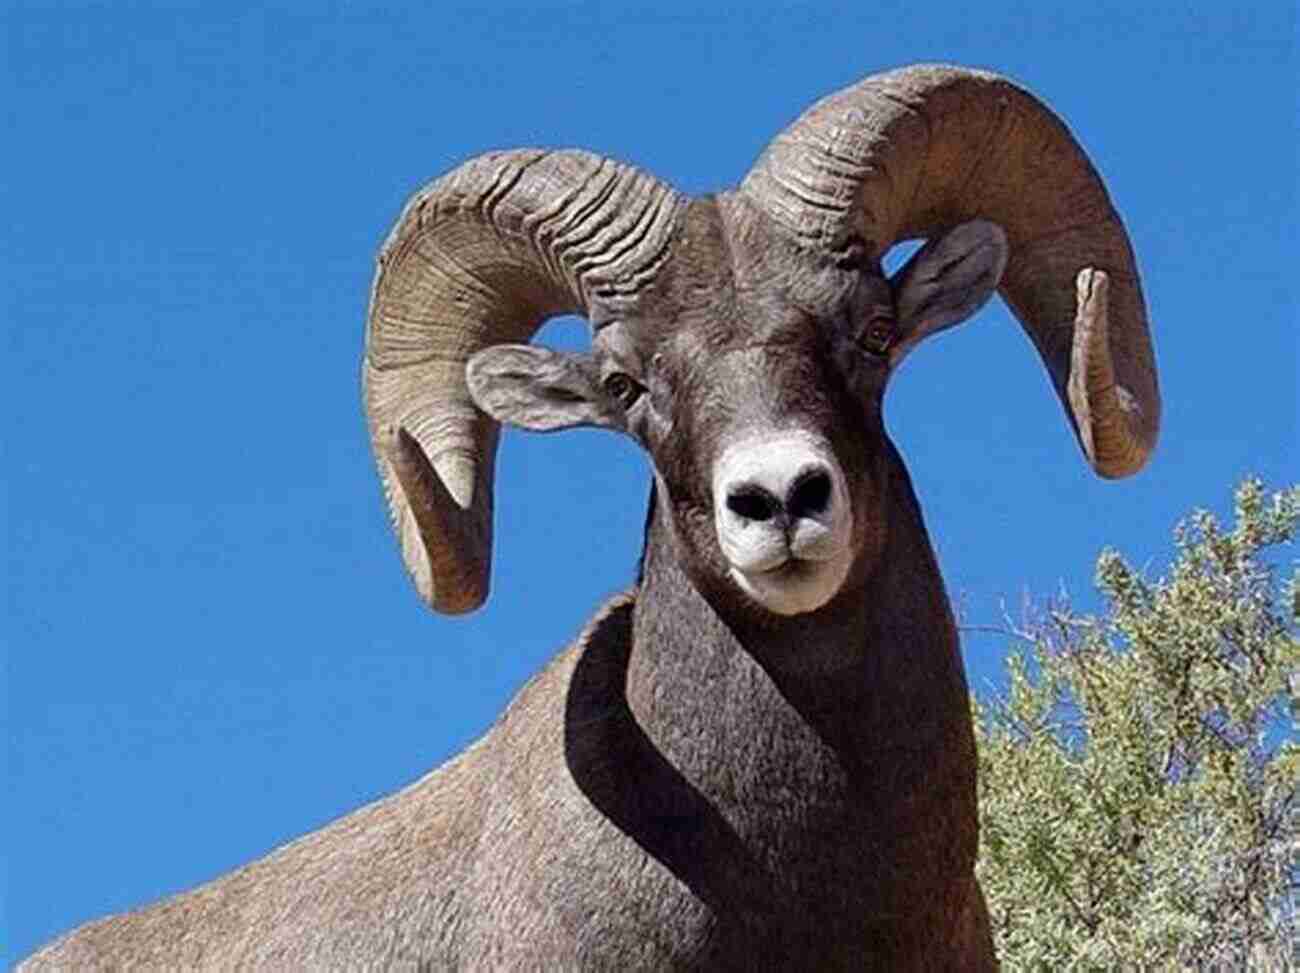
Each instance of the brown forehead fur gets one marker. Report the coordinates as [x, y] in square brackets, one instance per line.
[733, 279]
[739, 330]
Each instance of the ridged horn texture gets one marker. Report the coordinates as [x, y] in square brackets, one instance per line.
[483, 256]
[913, 152]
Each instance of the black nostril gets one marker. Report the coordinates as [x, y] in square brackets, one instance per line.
[810, 495]
[752, 503]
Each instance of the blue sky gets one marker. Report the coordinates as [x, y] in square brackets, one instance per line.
[210, 644]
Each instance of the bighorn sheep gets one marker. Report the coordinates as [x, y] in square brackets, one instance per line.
[761, 756]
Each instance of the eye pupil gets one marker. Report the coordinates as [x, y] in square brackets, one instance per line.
[878, 335]
[622, 388]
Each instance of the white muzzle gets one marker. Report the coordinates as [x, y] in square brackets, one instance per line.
[784, 522]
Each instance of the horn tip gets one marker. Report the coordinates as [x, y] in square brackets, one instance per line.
[446, 540]
[1109, 418]
[460, 601]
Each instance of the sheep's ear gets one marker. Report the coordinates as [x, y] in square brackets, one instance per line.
[948, 280]
[540, 389]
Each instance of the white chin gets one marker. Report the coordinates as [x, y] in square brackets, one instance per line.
[796, 587]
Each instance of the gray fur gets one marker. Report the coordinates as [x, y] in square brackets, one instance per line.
[693, 784]
[702, 780]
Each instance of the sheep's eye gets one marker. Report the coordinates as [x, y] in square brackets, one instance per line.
[623, 388]
[877, 335]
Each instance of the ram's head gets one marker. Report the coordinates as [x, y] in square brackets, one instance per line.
[745, 339]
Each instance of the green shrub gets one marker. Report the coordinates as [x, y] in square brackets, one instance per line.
[1140, 779]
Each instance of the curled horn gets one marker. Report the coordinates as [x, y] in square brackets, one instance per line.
[483, 256]
[915, 151]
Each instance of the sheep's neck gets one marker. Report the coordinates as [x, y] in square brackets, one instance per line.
[857, 768]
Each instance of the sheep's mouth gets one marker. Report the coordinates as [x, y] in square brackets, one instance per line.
[795, 586]
[792, 569]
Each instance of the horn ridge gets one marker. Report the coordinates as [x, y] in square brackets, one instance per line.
[484, 255]
[915, 151]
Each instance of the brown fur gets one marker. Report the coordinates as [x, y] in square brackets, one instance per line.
[702, 781]
[695, 784]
